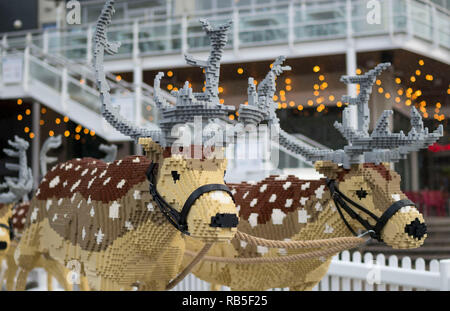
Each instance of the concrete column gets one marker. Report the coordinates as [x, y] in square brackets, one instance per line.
[35, 146]
[137, 80]
[351, 65]
[415, 184]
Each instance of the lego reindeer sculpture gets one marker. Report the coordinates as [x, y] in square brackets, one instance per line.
[18, 208]
[360, 193]
[123, 222]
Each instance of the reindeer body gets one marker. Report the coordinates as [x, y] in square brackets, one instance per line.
[287, 208]
[101, 215]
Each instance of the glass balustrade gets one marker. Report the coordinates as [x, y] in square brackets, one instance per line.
[41, 72]
[83, 95]
[258, 24]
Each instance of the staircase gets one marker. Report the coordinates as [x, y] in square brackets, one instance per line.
[69, 88]
[436, 246]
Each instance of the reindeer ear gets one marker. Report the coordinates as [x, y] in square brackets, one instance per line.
[328, 168]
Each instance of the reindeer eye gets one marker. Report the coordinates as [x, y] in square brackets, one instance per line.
[361, 193]
[175, 176]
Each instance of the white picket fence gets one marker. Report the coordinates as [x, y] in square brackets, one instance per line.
[366, 273]
[346, 272]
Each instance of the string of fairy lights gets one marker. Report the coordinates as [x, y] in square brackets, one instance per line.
[53, 124]
[405, 93]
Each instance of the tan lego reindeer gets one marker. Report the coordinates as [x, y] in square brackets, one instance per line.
[124, 222]
[17, 211]
[360, 193]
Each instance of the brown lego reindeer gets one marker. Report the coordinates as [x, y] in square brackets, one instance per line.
[360, 193]
[124, 222]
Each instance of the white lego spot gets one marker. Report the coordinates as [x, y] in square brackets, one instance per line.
[252, 182]
[99, 236]
[91, 182]
[75, 185]
[92, 212]
[14, 220]
[48, 204]
[55, 217]
[253, 202]
[288, 202]
[320, 191]
[322, 259]
[407, 209]
[243, 244]
[238, 208]
[332, 207]
[129, 225]
[102, 174]
[396, 197]
[83, 233]
[278, 216]
[89, 200]
[60, 201]
[245, 195]
[23, 221]
[73, 198]
[282, 251]
[68, 166]
[272, 198]
[94, 171]
[137, 195]
[253, 219]
[121, 184]
[84, 172]
[263, 188]
[79, 204]
[221, 197]
[136, 160]
[114, 210]
[328, 229]
[233, 191]
[305, 186]
[303, 201]
[262, 249]
[65, 183]
[34, 214]
[106, 181]
[287, 185]
[77, 168]
[55, 181]
[303, 216]
[38, 191]
[281, 177]
[119, 162]
[318, 207]
[21, 211]
[150, 207]
[54, 168]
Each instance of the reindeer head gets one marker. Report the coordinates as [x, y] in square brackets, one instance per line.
[366, 191]
[18, 188]
[187, 186]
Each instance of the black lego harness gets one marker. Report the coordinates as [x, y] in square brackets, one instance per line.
[340, 200]
[10, 228]
[179, 219]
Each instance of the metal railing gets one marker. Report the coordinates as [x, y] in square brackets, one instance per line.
[286, 22]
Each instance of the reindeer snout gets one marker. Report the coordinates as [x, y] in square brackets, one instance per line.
[224, 221]
[416, 229]
[3, 245]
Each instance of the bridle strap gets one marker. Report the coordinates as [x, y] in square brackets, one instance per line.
[179, 219]
[341, 201]
[9, 228]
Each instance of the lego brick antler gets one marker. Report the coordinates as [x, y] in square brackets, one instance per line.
[111, 152]
[18, 187]
[380, 146]
[188, 104]
[109, 113]
[53, 142]
[260, 102]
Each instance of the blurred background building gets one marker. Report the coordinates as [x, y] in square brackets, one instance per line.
[47, 84]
